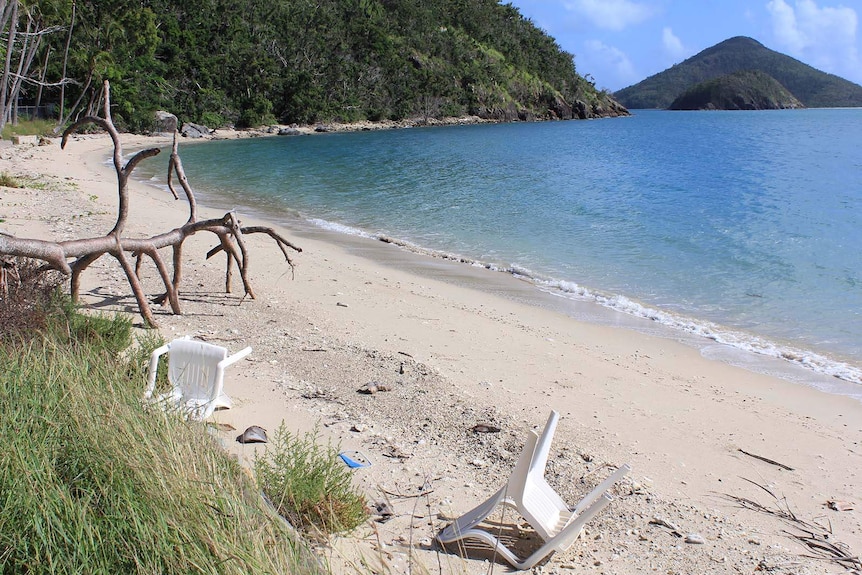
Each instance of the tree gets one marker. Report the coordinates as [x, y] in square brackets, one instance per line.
[84, 252]
[21, 48]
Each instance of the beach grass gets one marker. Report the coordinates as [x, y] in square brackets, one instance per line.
[92, 481]
[9, 181]
[36, 127]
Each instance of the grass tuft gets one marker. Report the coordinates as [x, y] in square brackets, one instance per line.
[9, 181]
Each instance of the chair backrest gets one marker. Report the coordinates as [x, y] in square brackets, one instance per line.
[193, 368]
[540, 505]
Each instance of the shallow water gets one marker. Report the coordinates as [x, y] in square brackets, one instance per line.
[739, 227]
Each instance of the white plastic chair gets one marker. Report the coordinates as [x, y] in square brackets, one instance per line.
[537, 502]
[196, 373]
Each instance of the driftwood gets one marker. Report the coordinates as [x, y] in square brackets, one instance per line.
[818, 539]
[766, 459]
[83, 252]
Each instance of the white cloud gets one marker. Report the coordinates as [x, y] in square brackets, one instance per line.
[823, 37]
[672, 45]
[614, 62]
[611, 14]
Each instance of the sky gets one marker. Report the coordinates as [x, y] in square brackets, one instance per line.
[618, 43]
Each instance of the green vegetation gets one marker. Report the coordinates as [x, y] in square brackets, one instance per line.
[746, 90]
[309, 484]
[246, 62]
[9, 181]
[815, 89]
[28, 128]
[92, 481]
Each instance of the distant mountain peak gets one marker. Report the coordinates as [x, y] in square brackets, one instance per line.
[812, 87]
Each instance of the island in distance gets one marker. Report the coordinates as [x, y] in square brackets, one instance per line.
[740, 74]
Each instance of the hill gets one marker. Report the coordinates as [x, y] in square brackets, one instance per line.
[815, 89]
[746, 90]
[247, 62]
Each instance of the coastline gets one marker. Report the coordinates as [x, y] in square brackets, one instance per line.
[468, 357]
[782, 333]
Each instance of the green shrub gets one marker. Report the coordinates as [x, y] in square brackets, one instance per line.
[308, 484]
[212, 120]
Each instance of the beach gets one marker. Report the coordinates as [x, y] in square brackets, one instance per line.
[702, 436]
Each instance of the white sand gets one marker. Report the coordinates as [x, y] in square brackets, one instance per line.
[348, 318]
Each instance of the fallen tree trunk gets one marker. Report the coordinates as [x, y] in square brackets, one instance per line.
[83, 252]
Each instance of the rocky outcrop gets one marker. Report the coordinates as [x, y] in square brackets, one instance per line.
[191, 130]
[165, 122]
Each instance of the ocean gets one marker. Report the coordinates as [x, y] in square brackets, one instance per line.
[736, 232]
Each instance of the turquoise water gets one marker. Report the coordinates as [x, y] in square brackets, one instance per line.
[741, 227]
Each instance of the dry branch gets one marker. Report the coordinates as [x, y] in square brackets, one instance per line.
[818, 540]
[766, 459]
[83, 252]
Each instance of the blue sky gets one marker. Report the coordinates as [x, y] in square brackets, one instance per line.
[621, 42]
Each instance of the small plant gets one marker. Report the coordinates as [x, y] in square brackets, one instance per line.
[29, 297]
[9, 181]
[308, 484]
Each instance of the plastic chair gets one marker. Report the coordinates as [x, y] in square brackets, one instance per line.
[527, 492]
[196, 373]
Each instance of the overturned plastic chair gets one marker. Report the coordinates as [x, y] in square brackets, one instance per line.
[537, 502]
[196, 374]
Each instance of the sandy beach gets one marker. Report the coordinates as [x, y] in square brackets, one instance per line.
[699, 434]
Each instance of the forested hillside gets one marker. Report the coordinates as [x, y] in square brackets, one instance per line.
[746, 90]
[247, 62]
[812, 87]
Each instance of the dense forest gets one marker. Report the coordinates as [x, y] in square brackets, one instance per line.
[250, 62]
[815, 89]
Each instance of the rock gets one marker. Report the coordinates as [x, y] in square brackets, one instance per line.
[358, 428]
[18, 140]
[695, 539]
[664, 523]
[373, 387]
[840, 505]
[253, 434]
[580, 110]
[289, 132]
[165, 122]
[384, 511]
[191, 130]
[485, 428]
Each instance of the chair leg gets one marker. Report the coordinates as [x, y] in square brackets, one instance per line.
[472, 518]
[602, 488]
[564, 539]
[495, 544]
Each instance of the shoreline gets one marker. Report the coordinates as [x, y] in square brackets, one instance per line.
[764, 354]
[746, 350]
[469, 357]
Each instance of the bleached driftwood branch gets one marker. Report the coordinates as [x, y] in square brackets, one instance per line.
[85, 251]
